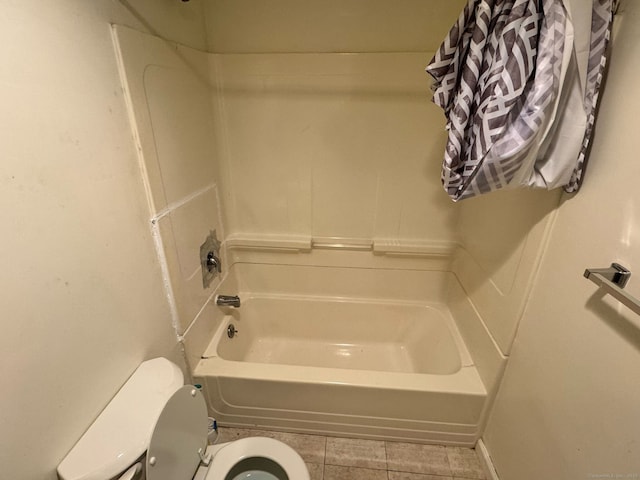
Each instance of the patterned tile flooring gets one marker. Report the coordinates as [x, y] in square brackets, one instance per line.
[332, 458]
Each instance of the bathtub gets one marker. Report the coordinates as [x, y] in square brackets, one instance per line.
[338, 333]
[394, 369]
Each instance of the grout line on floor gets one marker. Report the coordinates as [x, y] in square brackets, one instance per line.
[324, 459]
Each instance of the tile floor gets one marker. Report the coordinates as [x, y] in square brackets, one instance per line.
[331, 458]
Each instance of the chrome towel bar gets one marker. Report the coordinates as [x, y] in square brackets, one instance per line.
[612, 280]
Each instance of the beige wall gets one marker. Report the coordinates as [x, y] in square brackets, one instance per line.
[327, 147]
[82, 296]
[331, 146]
[256, 26]
[502, 237]
[568, 406]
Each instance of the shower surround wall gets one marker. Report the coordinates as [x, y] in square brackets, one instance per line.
[169, 104]
[319, 159]
[318, 149]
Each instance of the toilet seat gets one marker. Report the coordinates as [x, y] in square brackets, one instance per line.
[178, 445]
[281, 454]
[179, 437]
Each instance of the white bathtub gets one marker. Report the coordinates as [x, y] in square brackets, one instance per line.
[346, 334]
[341, 365]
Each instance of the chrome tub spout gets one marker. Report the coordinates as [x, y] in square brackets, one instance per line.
[228, 301]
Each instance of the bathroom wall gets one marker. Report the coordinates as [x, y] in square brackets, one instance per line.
[323, 147]
[568, 405]
[169, 98]
[317, 26]
[83, 300]
[331, 147]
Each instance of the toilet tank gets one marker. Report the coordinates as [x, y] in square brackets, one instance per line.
[121, 433]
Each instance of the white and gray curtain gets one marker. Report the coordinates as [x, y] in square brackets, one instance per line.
[518, 81]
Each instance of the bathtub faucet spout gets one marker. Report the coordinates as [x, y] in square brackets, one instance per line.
[228, 301]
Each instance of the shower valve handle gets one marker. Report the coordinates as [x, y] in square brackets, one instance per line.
[213, 263]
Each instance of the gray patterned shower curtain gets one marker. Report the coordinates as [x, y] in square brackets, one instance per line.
[518, 81]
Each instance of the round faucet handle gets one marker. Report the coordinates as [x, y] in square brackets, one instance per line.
[213, 262]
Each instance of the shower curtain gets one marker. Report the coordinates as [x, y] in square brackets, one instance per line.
[518, 81]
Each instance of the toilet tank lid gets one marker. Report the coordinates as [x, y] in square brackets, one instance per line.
[121, 433]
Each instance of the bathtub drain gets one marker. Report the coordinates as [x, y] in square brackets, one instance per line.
[231, 331]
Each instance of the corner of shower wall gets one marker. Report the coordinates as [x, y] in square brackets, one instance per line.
[502, 237]
[168, 94]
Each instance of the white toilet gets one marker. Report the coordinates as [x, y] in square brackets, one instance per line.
[156, 428]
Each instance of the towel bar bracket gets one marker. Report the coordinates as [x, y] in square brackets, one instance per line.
[616, 274]
[612, 280]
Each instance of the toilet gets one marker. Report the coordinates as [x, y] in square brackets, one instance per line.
[155, 428]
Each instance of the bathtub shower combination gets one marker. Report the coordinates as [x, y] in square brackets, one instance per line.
[370, 305]
[374, 360]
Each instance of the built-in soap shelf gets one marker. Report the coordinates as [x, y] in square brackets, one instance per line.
[342, 243]
[268, 242]
[378, 246]
[400, 247]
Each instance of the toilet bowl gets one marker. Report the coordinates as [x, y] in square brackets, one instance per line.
[156, 428]
[257, 458]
